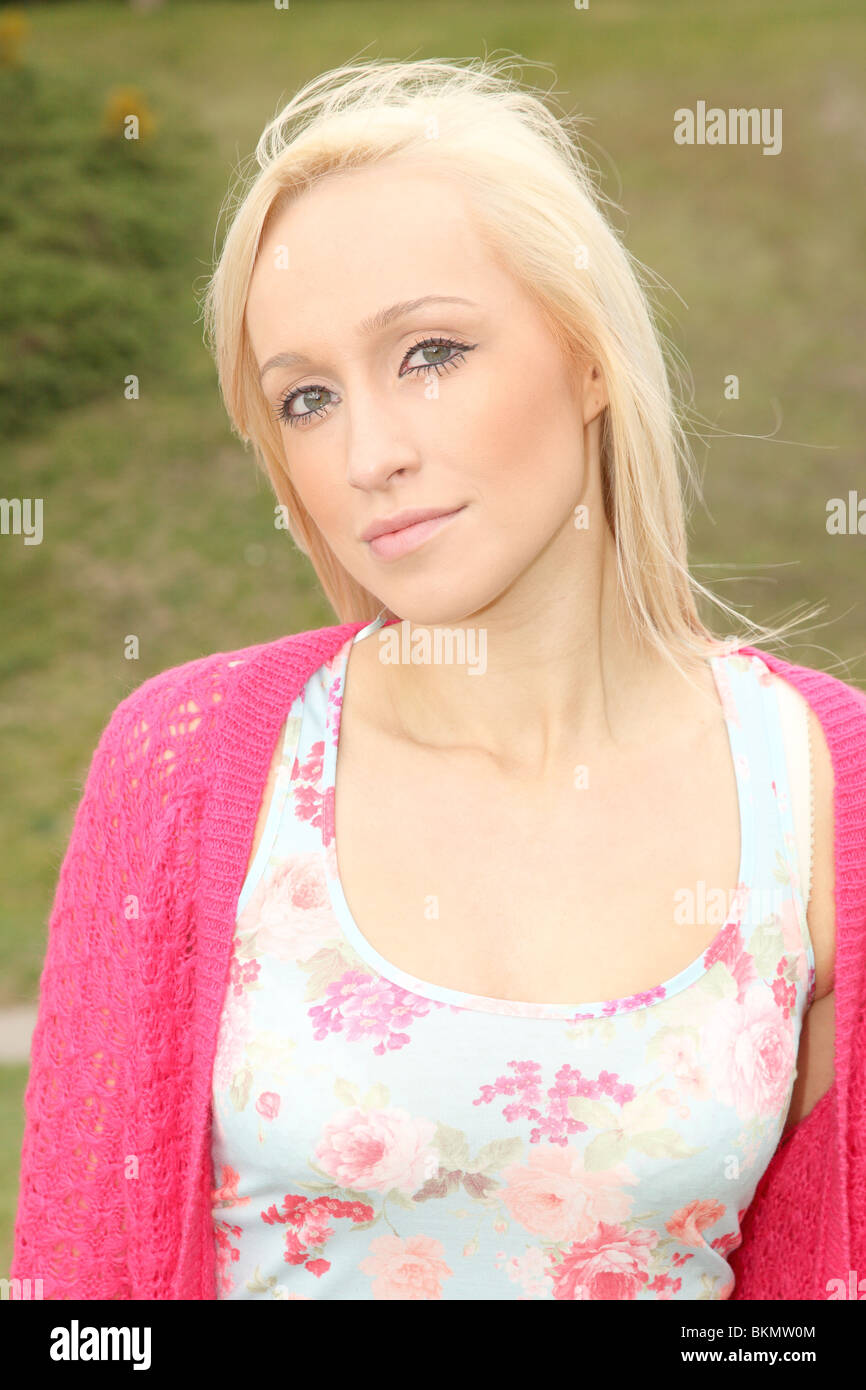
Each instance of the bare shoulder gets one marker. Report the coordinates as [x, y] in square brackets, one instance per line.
[821, 910]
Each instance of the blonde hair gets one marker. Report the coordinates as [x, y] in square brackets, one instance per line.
[541, 213]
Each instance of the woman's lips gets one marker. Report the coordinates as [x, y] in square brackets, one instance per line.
[396, 543]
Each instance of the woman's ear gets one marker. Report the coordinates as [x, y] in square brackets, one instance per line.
[594, 392]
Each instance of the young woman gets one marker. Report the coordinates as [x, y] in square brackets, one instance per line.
[541, 1004]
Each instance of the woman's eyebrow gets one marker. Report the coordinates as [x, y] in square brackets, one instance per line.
[375, 324]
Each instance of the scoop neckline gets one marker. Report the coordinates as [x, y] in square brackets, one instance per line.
[483, 1003]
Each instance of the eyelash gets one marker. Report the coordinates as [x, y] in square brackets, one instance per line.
[284, 418]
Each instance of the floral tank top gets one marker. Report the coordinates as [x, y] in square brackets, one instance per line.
[376, 1136]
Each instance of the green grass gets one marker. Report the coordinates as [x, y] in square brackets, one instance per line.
[13, 1080]
[151, 507]
[120, 213]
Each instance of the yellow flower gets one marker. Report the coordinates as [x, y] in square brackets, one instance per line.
[121, 103]
[14, 27]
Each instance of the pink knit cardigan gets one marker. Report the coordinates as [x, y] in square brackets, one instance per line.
[115, 1194]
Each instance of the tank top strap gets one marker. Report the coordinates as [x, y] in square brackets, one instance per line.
[751, 705]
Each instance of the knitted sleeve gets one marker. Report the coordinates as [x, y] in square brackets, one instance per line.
[69, 1231]
[102, 1164]
[105, 1159]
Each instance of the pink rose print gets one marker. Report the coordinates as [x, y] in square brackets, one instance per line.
[792, 936]
[290, 910]
[226, 1254]
[268, 1105]
[530, 1271]
[687, 1224]
[335, 708]
[610, 1264]
[369, 1008]
[234, 1031]
[750, 1051]
[633, 1001]
[242, 974]
[328, 816]
[309, 802]
[784, 994]
[310, 770]
[729, 948]
[227, 1194]
[555, 1197]
[375, 1150]
[678, 1258]
[558, 1123]
[309, 1230]
[664, 1287]
[679, 1054]
[726, 1243]
[411, 1268]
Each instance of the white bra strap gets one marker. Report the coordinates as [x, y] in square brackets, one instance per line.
[796, 733]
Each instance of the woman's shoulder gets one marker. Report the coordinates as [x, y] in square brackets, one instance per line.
[211, 677]
[823, 725]
[821, 689]
[836, 720]
[837, 709]
[836, 716]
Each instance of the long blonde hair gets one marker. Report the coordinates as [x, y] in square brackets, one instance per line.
[540, 211]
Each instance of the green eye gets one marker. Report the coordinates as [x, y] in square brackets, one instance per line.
[311, 395]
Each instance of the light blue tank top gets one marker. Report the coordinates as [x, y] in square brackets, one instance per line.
[376, 1136]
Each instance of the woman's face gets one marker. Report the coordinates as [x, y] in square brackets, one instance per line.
[485, 422]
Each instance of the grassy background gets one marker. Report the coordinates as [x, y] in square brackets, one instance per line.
[156, 521]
